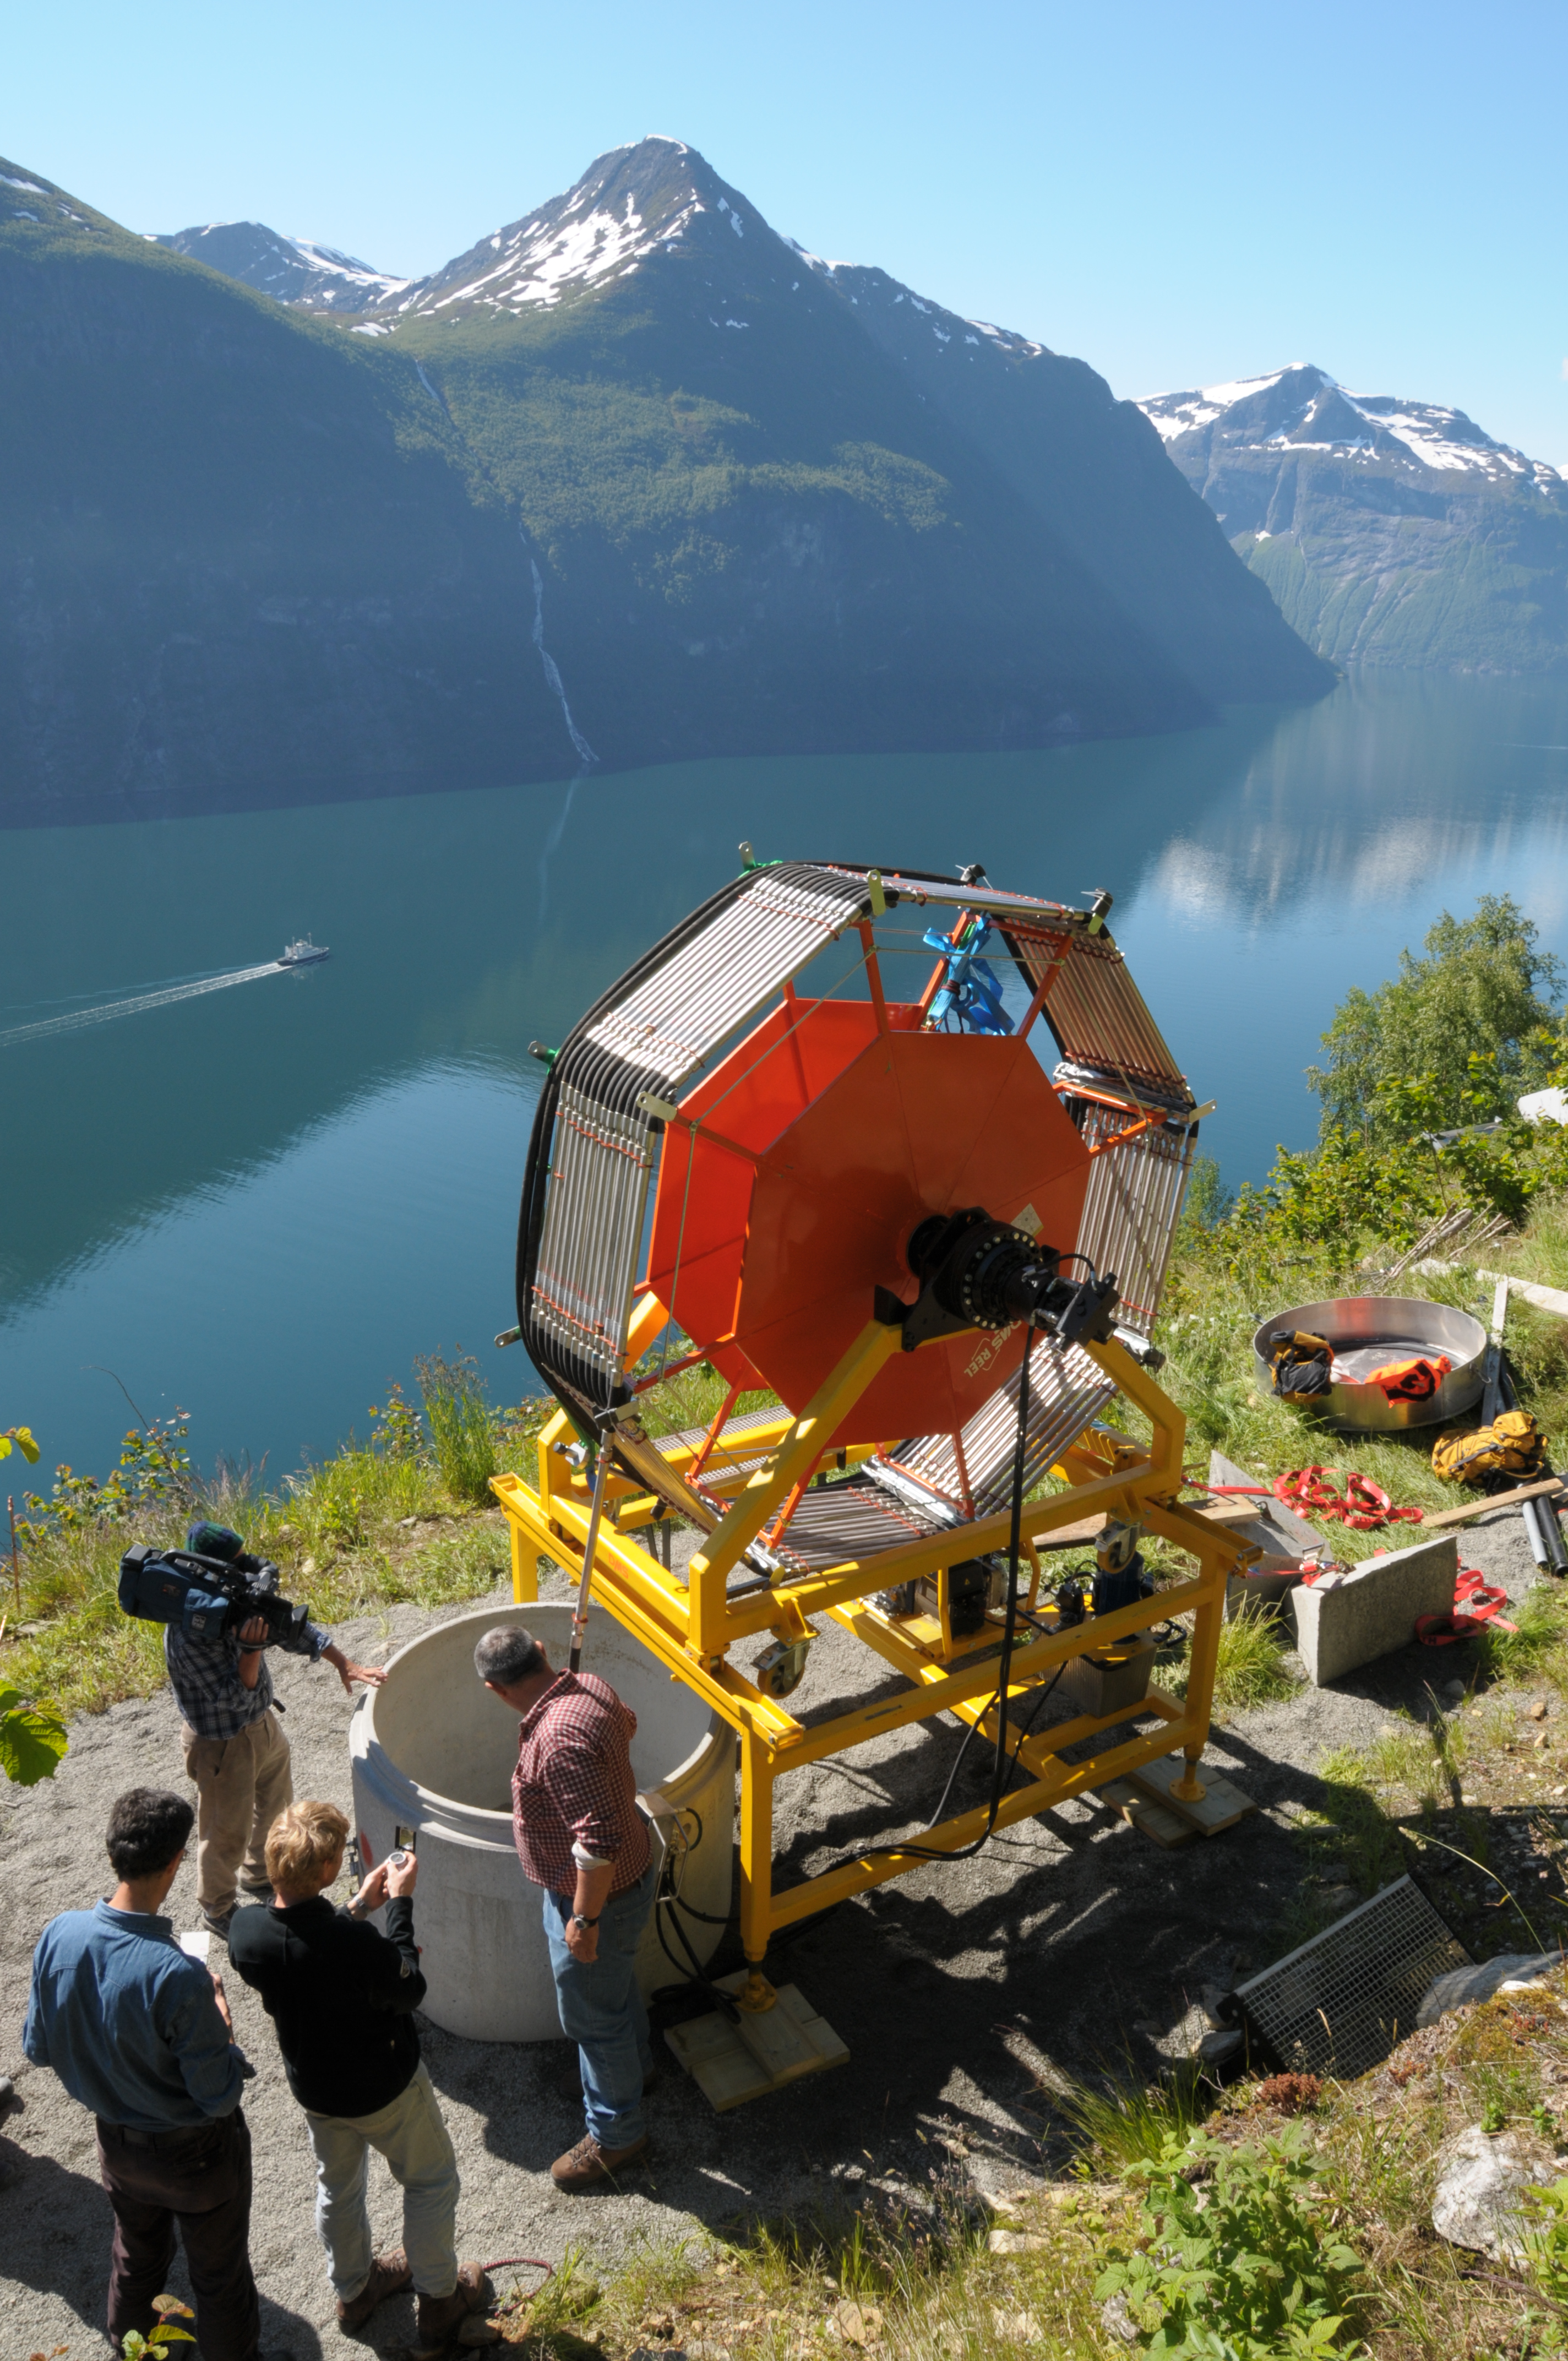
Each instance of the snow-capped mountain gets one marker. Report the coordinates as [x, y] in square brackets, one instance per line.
[632, 480]
[1390, 530]
[1302, 406]
[629, 204]
[292, 270]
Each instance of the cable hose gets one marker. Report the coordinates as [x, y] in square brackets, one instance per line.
[699, 1977]
[1004, 1770]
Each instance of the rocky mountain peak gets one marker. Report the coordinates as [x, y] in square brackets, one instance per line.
[632, 205]
[291, 269]
[1302, 406]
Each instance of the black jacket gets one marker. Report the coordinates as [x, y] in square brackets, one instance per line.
[342, 1997]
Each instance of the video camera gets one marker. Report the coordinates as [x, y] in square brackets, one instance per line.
[209, 1590]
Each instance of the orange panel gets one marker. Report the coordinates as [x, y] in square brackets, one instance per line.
[854, 1137]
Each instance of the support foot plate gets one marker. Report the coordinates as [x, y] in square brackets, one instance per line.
[732, 2063]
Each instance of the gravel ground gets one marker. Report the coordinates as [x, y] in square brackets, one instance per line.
[963, 1993]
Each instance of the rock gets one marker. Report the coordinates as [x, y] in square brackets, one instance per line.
[1536, 1709]
[1014, 2327]
[1016, 2242]
[1214, 2000]
[1373, 1609]
[1462, 1987]
[858, 2323]
[1220, 2049]
[1117, 2320]
[1479, 2179]
[1454, 1689]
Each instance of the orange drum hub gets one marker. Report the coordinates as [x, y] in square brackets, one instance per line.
[796, 1171]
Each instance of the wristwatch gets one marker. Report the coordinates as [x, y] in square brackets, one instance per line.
[578, 1921]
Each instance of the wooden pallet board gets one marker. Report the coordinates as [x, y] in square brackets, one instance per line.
[1141, 1812]
[732, 2063]
[1223, 1803]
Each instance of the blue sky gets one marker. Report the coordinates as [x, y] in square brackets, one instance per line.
[1181, 195]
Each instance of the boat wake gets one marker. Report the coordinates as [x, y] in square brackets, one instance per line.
[163, 997]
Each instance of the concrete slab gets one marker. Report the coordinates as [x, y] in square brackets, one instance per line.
[1372, 1611]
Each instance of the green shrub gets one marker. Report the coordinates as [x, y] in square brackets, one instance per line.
[462, 1429]
[1241, 2263]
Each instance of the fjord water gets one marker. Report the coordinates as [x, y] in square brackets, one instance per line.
[259, 1202]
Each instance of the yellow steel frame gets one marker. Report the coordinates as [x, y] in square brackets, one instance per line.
[692, 1626]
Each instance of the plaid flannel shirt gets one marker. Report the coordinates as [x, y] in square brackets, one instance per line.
[574, 1783]
[204, 1676]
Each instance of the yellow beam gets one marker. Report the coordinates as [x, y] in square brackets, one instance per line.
[771, 1486]
[875, 1868]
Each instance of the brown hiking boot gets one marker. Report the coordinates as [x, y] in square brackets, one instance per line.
[389, 2274]
[438, 2318]
[589, 2165]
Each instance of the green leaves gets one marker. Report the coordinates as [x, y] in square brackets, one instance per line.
[31, 1743]
[154, 1466]
[22, 1437]
[1239, 2264]
[1470, 1017]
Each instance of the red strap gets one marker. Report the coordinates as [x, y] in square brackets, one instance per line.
[1476, 1605]
[1443, 1630]
[1481, 1599]
[1363, 1505]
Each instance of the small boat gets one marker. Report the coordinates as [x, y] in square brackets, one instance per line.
[303, 953]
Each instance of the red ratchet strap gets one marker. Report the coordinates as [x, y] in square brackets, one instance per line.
[1363, 1505]
[1476, 1605]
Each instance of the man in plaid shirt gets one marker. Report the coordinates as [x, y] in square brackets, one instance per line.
[581, 1837]
[233, 1749]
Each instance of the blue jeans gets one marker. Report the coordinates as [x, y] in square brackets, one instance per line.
[602, 2009]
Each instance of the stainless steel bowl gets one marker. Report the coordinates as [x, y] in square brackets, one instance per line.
[1367, 1329]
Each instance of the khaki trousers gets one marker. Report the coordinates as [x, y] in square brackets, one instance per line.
[242, 1784]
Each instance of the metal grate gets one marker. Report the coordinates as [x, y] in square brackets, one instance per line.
[1340, 2004]
[1067, 1392]
[1133, 1204]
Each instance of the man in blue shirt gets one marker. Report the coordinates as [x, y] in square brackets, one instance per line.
[233, 1749]
[140, 2033]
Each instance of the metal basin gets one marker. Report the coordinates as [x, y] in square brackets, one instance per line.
[1366, 1330]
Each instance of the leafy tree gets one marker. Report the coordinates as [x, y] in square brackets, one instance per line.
[31, 1742]
[1474, 1019]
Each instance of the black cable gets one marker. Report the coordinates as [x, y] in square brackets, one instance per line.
[696, 1977]
[1004, 1770]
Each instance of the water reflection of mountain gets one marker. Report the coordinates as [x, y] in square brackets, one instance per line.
[1396, 777]
[432, 907]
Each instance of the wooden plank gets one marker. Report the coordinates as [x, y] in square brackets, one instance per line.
[1492, 1500]
[1151, 1819]
[732, 2063]
[1221, 1807]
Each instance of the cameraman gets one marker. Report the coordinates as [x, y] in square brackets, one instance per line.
[342, 1997]
[234, 1751]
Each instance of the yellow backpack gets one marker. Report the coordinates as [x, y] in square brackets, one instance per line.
[1511, 1445]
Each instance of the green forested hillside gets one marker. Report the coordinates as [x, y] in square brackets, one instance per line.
[243, 557]
[635, 455]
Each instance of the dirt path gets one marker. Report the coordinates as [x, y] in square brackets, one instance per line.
[962, 1991]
